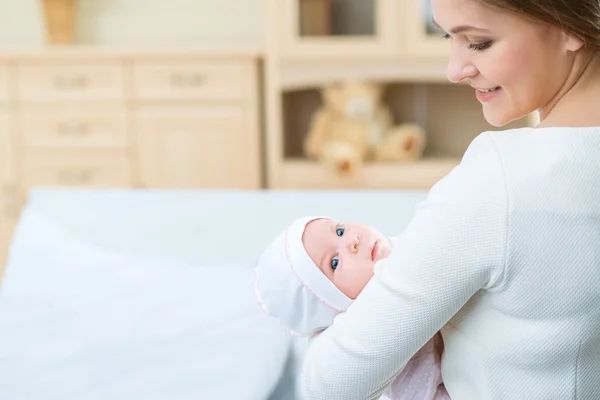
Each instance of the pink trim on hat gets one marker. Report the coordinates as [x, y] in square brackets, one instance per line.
[264, 308]
[297, 277]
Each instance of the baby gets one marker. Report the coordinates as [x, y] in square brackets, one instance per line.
[314, 270]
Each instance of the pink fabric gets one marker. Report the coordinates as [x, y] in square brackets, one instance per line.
[421, 379]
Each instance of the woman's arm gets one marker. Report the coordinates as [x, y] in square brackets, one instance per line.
[453, 247]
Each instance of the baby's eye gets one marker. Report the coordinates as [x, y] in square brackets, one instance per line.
[340, 230]
[334, 262]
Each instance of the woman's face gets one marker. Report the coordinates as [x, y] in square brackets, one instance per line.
[515, 66]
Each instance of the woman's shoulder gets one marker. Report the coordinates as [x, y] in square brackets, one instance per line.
[496, 157]
[477, 178]
[536, 146]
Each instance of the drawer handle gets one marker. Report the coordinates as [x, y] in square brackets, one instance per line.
[73, 129]
[187, 80]
[70, 177]
[71, 82]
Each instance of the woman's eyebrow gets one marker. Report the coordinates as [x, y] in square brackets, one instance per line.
[460, 28]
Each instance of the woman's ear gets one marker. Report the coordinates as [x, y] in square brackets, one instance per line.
[572, 43]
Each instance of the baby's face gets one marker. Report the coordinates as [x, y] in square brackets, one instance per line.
[345, 252]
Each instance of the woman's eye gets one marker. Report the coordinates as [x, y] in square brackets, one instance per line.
[480, 46]
[339, 231]
[334, 262]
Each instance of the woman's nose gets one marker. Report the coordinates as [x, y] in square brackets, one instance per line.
[354, 244]
[459, 69]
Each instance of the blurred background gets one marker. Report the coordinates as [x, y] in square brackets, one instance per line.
[198, 94]
[167, 131]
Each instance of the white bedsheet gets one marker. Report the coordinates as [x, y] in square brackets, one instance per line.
[79, 322]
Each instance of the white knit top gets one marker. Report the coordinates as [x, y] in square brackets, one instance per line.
[504, 257]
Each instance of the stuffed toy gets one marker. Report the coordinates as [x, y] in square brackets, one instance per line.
[353, 126]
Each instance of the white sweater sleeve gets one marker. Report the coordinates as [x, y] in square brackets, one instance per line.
[453, 247]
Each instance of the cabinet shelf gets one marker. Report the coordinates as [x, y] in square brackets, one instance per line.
[303, 74]
[298, 173]
[450, 115]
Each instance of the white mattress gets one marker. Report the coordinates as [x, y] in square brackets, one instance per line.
[147, 294]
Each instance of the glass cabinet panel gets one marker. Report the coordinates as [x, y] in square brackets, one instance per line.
[430, 28]
[327, 29]
[337, 17]
[423, 37]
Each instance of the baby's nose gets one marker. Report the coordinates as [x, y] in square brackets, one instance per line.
[354, 243]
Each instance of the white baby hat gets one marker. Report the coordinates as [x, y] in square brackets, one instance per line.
[290, 287]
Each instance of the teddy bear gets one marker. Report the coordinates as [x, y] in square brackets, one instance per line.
[353, 126]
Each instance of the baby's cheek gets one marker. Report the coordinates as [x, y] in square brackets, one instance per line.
[359, 281]
[350, 287]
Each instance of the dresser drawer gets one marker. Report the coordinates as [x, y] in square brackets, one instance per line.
[88, 168]
[70, 81]
[73, 126]
[193, 80]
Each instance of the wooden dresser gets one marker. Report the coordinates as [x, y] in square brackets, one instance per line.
[141, 119]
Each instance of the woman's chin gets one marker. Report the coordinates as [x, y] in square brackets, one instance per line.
[497, 118]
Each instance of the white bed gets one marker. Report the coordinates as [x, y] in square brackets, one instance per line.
[116, 294]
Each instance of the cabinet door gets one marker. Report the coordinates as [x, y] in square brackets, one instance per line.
[422, 37]
[337, 28]
[197, 147]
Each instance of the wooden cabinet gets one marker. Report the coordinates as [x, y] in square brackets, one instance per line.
[71, 122]
[337, 28]
[107, 119]
[196, 123]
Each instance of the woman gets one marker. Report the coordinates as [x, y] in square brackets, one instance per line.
[504, 254]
